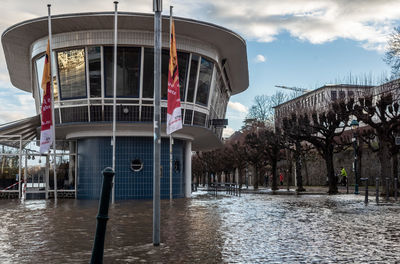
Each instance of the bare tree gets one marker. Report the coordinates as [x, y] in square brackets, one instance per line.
[263, 108]
[384, 119]
[392, 55]
[323, 130]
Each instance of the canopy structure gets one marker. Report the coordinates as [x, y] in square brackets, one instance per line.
[26, 128]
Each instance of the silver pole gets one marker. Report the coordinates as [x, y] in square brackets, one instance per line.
[157, 8]
[19, 169]
[171, 142]
[25, 175]
[52, 106]
[114, 99]
[47, 177]
[170, 136]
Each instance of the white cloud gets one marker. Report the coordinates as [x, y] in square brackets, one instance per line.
[238, 107]
[15, 105]
[317, 21]
[228, 131]
[259, 58]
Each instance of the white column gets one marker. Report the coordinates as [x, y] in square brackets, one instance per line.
[188, 169]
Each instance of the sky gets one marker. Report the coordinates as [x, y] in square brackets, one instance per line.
[301, 43]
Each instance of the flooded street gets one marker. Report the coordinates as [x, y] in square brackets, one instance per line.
[249, 229]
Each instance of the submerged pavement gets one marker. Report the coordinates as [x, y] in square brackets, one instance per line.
[253, 228]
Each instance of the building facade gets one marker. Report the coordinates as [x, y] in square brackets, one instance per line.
[212, 65]
[320, 99]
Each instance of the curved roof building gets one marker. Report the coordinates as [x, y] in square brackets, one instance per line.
[212, 67]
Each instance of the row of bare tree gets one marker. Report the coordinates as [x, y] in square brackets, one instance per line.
[325, 131]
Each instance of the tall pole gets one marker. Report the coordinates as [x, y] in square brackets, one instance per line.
[355, 164]
[114, 99]
[53, 130]
[157, 8]
[170, 136]
[19, 167]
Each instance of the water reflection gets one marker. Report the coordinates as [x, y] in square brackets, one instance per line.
[205, 229]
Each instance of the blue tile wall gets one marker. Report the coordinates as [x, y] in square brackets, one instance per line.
[94, 154]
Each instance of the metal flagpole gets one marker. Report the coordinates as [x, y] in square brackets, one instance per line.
[157, 8]
[171, 142]
[170, 136]
[53, 131]
[19, 169]
[114, 99]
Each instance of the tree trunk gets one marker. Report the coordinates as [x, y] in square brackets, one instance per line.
[299, 177]
[304, 161]
[274, 185]
[328, 156]
[385, 175]
[240, 178]
[394, 169]
[255, 177]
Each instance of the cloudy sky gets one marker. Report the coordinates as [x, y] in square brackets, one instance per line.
[303, 43]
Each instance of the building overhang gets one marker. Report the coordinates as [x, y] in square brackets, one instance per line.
[202, 138]
[17, 41]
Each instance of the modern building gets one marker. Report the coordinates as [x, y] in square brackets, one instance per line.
[320, 99]
[212, 67]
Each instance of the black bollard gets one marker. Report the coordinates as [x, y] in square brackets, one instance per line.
[102, 217]
[395, 188]
[366, 189]
[387, 189]
[377, 190]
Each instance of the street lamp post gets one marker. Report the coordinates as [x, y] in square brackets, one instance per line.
[354, 126]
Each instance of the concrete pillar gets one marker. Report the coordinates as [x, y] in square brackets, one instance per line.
[71, 166]
[188, 169]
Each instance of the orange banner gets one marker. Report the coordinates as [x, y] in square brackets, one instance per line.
[174, 114]
[45, 133]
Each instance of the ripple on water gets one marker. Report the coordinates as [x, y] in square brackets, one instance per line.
[205, 229]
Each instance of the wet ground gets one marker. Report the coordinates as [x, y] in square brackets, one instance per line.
[254, 228]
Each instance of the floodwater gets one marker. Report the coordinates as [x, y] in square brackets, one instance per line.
[254, 228]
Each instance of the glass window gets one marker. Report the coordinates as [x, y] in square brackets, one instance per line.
[71, 70]
[203, 87]
[39, 74]
[342, 95]
[164, 74]
[333, 95]
[148, 73]
[192, 78]
[94, 60]
[183, 61]
[128, 71]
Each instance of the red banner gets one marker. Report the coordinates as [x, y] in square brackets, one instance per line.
[46, 134]
[174, 114]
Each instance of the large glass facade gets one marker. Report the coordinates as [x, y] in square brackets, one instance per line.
[71, 71]
[94, 60]
[39, 73]
[148, 73]
[183, 61]
[204, 83]
[94, 81]
[192, 78]
[128, 71]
